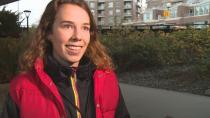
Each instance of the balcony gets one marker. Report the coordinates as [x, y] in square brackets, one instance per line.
[128, 7]
[102, 7]
[191, 14]
[101, 1]
[127, 19]
[127, 14]
[139, 5]
[101, 23]
[101, 15]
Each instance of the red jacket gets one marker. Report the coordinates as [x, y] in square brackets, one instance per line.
[38, 97]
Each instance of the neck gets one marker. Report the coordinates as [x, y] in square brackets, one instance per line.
[64, 62]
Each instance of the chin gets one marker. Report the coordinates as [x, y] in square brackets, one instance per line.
[73, 61]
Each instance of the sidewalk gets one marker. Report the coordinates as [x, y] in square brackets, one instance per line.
[145, 102]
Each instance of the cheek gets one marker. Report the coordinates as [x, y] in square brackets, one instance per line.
[60, 39]
[87, 38]
[62, 35]
[57, 43]
[87, 41]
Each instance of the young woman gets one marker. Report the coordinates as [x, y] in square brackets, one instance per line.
[66, 72]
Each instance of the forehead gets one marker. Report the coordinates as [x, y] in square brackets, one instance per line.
[71, 12]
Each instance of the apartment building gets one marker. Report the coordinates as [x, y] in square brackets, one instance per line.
[115, 12]
[196, 12]
[180, 12]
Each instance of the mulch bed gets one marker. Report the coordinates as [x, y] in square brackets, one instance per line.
[182, 79]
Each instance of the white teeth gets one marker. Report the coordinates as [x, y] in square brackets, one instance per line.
[74, 47]
[73, 50]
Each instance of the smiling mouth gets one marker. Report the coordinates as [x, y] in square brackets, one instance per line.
[73, 50]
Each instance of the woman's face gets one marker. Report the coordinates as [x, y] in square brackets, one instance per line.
[70, 34]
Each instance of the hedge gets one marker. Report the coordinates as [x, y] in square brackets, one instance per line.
[132, 50]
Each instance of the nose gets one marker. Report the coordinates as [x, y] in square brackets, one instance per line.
[77, 34]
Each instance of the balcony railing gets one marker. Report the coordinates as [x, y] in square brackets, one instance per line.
[127, 14]
[101, 23]
[127, 7]
[191, 14]
[101, 15]
[127, 0]
[102, 7]
[101, 1]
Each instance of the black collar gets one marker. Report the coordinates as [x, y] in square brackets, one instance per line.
[61, 73]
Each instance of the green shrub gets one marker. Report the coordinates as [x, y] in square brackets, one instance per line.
[139, 50]
[9, 25]
[133, 50]
[10, 50]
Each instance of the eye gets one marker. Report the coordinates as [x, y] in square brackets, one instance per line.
[86, 28]
[68, 26]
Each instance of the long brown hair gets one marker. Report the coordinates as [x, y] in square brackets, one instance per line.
[39, 45]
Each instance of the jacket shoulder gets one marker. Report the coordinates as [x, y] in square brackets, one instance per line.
[20, 84]
[21, 81]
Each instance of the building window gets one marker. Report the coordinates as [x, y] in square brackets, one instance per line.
[111, 20]
[127, 12]
[147, 16]
[128, 19]
[128, 5]
[173, 13]
[117, 4]
[101, 13]
[191, 12]
[139, 10]
[110, 4]
[196, 11]
[117, 11]
[206, 11]
[201, 11]
[118, 20]
[101, 6]
[111, 12]
[101, 21]
[92, 5]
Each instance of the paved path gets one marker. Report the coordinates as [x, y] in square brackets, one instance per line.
[145, 102]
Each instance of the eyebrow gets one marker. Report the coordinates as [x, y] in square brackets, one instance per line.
[72, 22]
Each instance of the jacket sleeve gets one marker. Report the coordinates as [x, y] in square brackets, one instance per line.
[10, 109]
[121, 111]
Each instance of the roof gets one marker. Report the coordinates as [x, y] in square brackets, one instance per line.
[3, 2]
